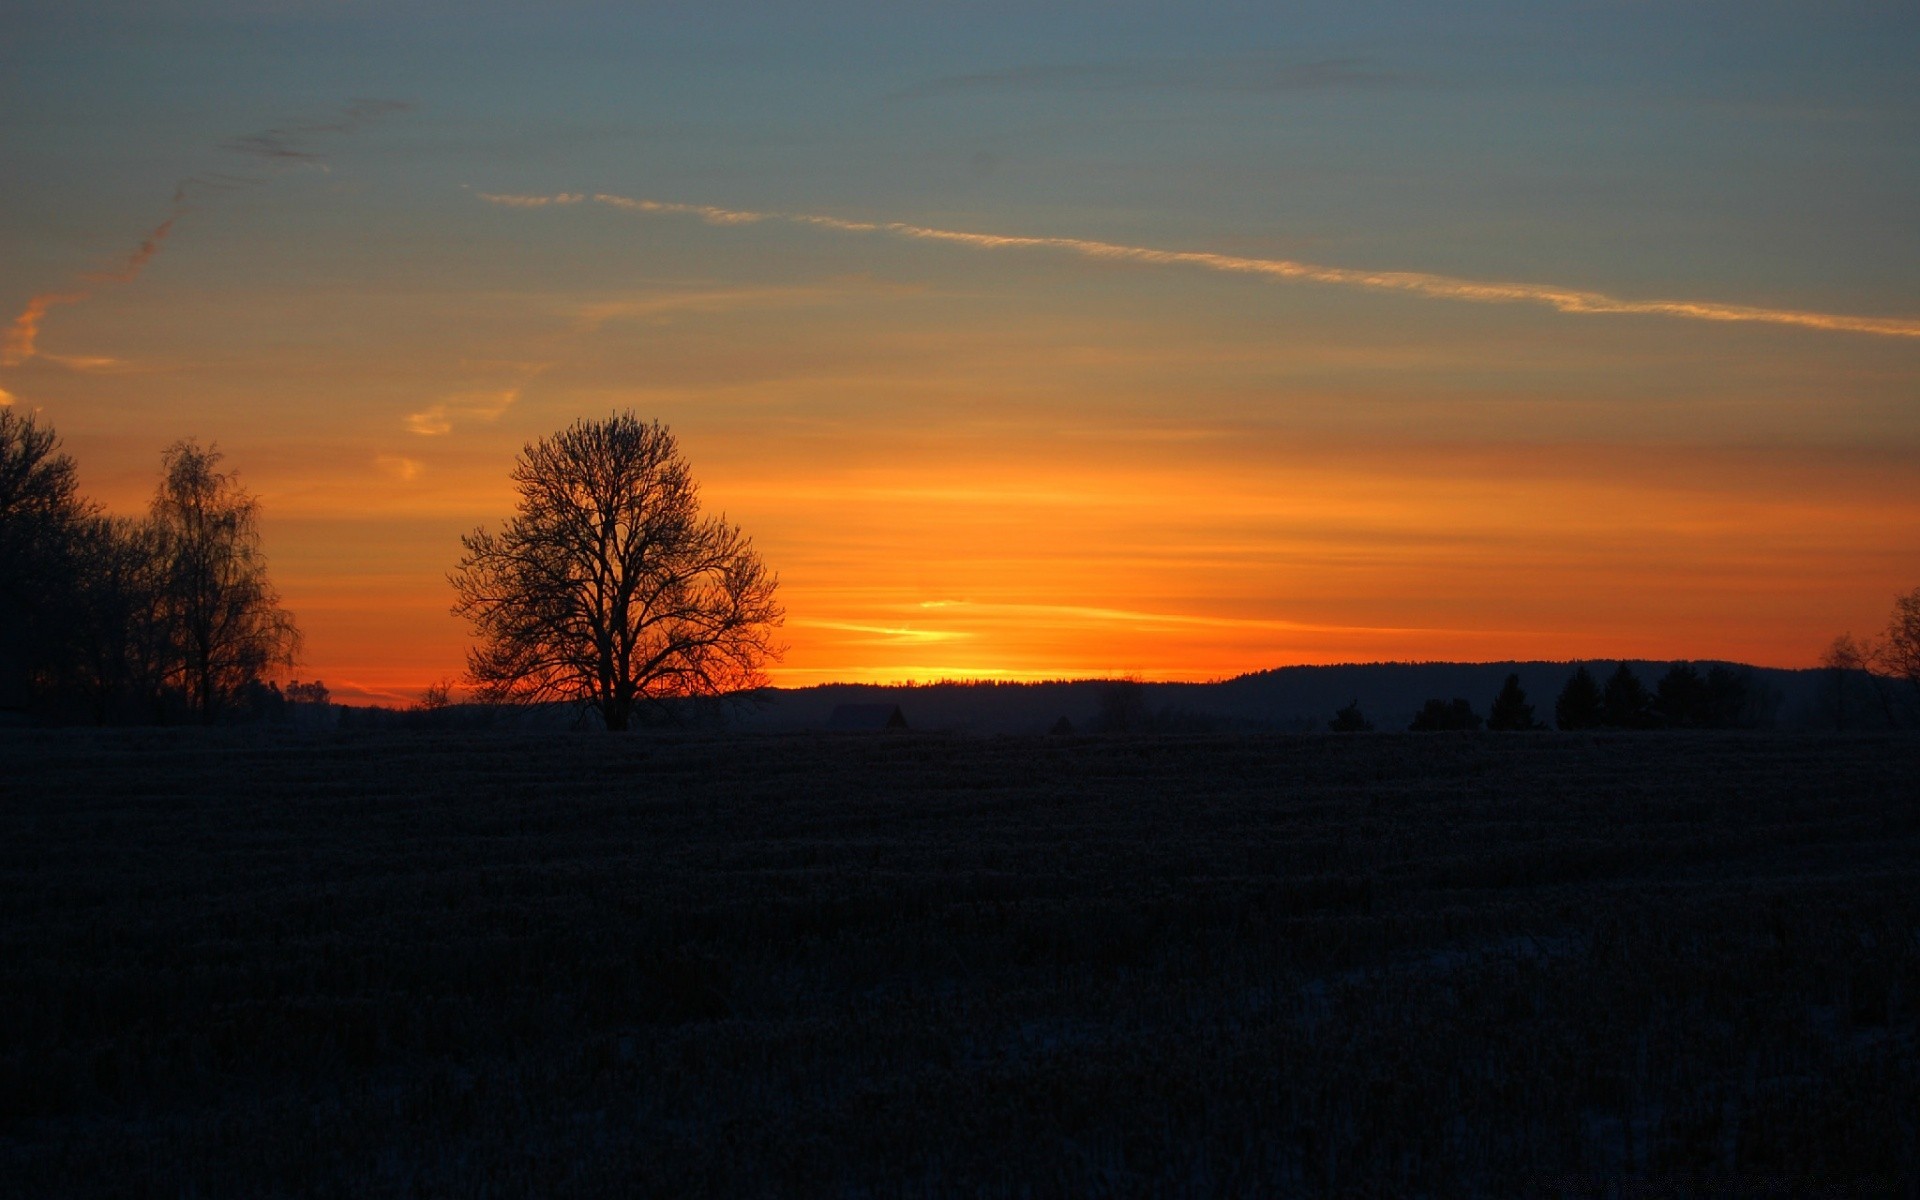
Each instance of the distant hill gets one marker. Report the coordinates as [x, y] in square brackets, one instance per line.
[1299, 699]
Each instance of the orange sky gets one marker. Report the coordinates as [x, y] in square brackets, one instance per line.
[980, 481]
[1413, 362]
[963, 567]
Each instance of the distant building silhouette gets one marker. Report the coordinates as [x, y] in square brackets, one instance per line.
[867, 718]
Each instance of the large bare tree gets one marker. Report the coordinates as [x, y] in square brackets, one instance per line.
[226, 626]
[608, 588]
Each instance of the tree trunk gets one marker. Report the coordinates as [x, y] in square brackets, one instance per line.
[206, 692]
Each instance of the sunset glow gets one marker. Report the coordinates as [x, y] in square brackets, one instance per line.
[1019, 353]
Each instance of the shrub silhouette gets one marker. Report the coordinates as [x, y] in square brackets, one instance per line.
[1438, 715]
[1350, 720]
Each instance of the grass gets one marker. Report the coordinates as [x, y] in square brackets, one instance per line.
[417, 964]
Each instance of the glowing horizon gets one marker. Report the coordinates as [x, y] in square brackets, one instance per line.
[1023, 348]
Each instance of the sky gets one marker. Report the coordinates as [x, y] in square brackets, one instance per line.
[1024, 341]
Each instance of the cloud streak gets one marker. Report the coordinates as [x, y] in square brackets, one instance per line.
[399, 466]
[287, 143]
[270, 146]
[438, 419]
[24, 333]
[1248, 75]
[564, 198]
[1079, 612]
[1413, 283]
[136, 262]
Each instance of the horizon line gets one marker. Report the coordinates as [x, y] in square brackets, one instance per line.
[1052, 680]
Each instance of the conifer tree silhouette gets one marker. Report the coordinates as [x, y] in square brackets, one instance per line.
[1510, 709]
[1624, 702]
[1579, 704]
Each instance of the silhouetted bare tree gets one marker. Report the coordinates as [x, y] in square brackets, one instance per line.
[227, 626]
[437, 697]
[1845, 661]
[1899, 650]
[608, 588]
[40, 511]
[123, 648]
[118, 618]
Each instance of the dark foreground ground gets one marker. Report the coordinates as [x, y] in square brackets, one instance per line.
[407, 964]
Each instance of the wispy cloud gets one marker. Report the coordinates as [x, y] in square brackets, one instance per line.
[6, 398]
[277, 145]
[24, 334]
[595, 315]
[887, 634]
[1415, 283]
[290, 142]
[504, 201]
[439, 419]
[1077, 612]
[101, 364]
[1246, 74]
[398, 466]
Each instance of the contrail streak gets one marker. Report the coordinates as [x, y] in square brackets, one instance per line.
[269, 146]
[136, 262]
[1416, 283]
[23, 336]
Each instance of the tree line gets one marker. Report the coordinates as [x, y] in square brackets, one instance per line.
[162, 618]
[1720, 697]
[608, 589]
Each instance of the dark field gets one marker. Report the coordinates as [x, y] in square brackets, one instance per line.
[408, 964]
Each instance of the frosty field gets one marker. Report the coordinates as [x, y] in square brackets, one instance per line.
[235, 964]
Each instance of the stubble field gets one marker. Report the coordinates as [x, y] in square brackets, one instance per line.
[236, 964]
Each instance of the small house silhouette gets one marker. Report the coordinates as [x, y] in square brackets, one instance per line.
[867, 718]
